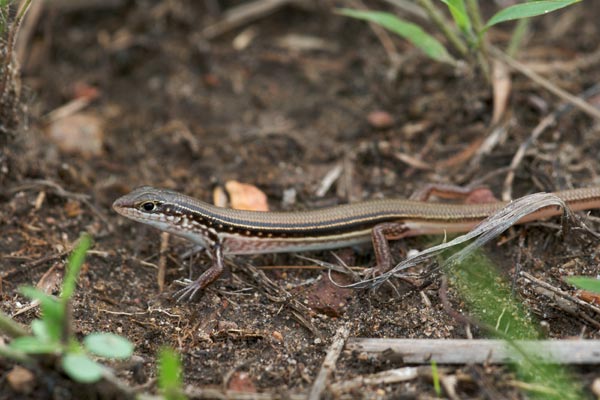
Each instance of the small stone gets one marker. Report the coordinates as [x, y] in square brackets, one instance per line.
[21, 380]
[241, 382]
[277, 336]
[380, 119]
[596, 387]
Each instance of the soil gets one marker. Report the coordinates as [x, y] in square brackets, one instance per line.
[170, 108]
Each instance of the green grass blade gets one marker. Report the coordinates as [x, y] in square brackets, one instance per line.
[409, 31]
[526, 10]
[74, 266]
[436, 379]
[169, 374]
[584, 282]
[459, 14]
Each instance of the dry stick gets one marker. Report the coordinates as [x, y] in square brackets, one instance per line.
[277, 294]
[210, 393]
[546, 84]
[409, 7]
[381, 378]
[329, 179]
[548, 121]
[462, 351]
[329, 363]
[59, 191]
[566, 306]
[162, 261]
[560, 293]
[497, 135]
[544, 124]
[381, 34]
[582, 62]
[246, 12]
[65, 6]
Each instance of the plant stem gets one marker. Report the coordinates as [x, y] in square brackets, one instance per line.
[12, 39]
[7, 352]
[10, 327]
[474, 14]
[481, 45]
[438, 19]
[521, 30]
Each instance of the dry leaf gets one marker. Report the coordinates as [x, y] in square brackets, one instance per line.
[243, 196]
[590, 297]
[78, 133]
[501, 84]
[73, 208]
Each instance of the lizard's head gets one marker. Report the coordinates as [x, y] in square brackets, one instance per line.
[144, 204]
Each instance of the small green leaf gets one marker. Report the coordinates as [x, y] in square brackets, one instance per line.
[36, 294]
[108, 345]
[526, 10]
[81, 368]
[584, 282]
[41, 331]
[33, 345]
[53, 312]
[409, 31]
[74, 266]
[169, 374]
[459, 14]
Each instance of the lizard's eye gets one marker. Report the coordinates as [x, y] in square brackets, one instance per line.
[148, 206]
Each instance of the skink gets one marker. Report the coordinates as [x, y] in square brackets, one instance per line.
[227, 231]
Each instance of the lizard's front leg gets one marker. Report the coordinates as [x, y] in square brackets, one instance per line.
[207, 277]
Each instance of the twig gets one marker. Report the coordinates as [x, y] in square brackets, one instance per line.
[546, 84]
[408, 7]
[328, 365]
[382, 35]
[382, 378]
[210, 393]
[329, 179]
[462, 351]
[541, 127]
[279, 295]
[64, 6]
[239, 15]
[59, 191]
[162, 261]
[560, 293]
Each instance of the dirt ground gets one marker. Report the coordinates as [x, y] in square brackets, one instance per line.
[279, 102]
